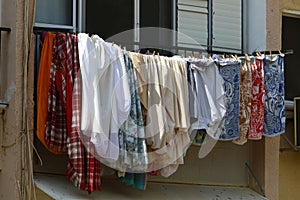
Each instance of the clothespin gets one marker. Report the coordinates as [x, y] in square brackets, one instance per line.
[148, 52]
[247, 57]
[158, 56]
[153, 53]
[139, 51]
[112, 44]
[124, 48]
[200, 54]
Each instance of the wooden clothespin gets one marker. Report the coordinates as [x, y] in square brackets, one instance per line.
[139, 51]
[124, 48]
[153, 53]
[247, 57]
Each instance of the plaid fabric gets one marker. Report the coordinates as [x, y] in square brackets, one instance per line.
[83, 169]
[56, 129]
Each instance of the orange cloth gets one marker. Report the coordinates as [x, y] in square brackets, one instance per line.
[42, 88]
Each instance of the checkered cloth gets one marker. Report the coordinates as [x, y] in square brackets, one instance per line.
[83, 169]
[56, 125]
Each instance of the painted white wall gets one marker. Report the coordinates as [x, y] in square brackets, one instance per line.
[255, 29]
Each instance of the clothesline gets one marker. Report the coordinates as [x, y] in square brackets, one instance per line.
[166, 49]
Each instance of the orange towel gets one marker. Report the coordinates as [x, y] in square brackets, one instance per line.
[42, 88]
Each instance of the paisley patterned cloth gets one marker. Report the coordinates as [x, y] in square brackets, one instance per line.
[133, 150]
[245, 100]
[275, 114]
[230, 71]
[257, 105]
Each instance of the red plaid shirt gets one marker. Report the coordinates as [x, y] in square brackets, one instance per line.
[56, 125]
[83, 169]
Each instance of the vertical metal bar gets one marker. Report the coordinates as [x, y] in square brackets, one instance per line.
[0, 48]
[174, 24]
[8, 30]
[210, 25]
[79, 14]
[242, 26]
[74, 15]
[136, 23]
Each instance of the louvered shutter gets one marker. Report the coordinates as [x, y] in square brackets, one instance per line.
[227, 28]
[192, 23]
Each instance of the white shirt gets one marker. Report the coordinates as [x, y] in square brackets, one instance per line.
[105, 94]
[210, 97]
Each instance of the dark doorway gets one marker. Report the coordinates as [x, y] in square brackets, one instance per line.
[291, 40]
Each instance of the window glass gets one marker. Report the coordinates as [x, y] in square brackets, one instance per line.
[59, 12]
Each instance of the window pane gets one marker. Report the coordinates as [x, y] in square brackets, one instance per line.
[107, 17]
[54, 12]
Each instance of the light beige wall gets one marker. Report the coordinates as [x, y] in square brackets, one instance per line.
[289, 174]
[11, 73]
[264, 154]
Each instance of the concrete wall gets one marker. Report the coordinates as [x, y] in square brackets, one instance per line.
[11, 74]
[289, 174]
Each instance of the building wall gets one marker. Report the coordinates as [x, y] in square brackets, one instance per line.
[11, 79]
[289, 170]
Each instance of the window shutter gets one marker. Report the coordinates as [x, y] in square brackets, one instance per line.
[192, 22]
[227, 28]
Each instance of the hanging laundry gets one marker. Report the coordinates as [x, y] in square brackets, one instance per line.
[105, 95]
[132, 140]
[82, 169]
[257, 103]
[178, 117]
[164, 97]
[209, 102]
[245, 98]
[60, 94]
[275, 114]
[135, 180]
[43, 88]
[140, 113]
[230, 71]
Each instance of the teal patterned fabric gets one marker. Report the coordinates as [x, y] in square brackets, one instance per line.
[133, 150]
